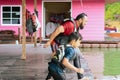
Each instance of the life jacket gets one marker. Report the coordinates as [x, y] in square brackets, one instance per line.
[32, 22]
[62, 39]
[60, 53]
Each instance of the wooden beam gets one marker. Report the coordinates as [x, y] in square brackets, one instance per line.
[40, 37]
[35, 33]
[23, 29]
[19, 35]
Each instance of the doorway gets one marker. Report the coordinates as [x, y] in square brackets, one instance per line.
[53, 14]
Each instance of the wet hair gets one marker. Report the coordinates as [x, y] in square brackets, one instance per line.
[75, 36]
[80, 16]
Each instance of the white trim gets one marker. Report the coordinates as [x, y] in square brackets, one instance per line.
[16, 18]
[1, 15]
[56, 0]
[42, 21]
[71, 9]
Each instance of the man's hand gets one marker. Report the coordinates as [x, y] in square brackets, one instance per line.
[47, 44]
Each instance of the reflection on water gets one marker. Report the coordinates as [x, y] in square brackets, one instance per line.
[103, 61]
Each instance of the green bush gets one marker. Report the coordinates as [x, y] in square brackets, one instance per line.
[111, 10]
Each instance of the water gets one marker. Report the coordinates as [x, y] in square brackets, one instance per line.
[103, 61]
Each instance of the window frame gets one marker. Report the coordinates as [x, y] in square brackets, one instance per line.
[11, 24]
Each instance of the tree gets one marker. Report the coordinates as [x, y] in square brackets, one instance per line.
[111, 10]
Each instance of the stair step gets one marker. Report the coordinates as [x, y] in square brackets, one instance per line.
[6, 35]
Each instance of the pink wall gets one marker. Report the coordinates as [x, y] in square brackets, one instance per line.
[94, 30]
[9, 2]
[29, 6]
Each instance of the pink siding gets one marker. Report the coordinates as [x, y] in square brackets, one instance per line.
[94, 30]
[29, 6]
[9, 2]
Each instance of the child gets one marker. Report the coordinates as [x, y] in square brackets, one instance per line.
[56, 70]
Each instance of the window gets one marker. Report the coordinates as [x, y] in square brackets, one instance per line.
[11, 15]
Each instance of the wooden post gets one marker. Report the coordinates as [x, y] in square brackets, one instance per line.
[35, 33]
[19, 36]
[23, 29]
[40, 40]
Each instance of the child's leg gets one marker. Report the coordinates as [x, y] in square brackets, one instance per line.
[48, 76]
[53, 48]
[59, 76]
[53, 72]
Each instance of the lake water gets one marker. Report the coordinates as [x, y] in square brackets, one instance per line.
[103, 61]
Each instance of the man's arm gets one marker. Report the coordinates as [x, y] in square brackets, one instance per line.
[57, 31]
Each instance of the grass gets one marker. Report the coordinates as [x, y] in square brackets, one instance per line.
[112, 62]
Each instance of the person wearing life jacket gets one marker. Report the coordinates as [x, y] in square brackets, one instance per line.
[66, 29]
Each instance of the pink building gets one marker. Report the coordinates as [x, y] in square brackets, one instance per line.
[11, 15]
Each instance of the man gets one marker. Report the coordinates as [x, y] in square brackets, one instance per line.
[67, 28]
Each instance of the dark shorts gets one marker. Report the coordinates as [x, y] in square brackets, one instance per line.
[56, 72]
